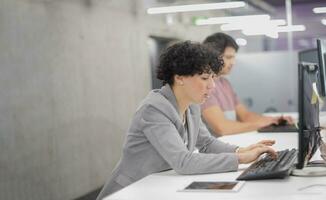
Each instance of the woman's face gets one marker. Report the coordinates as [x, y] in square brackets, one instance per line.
[229, 60]
[198, 87]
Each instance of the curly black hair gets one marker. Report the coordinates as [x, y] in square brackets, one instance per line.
[187, 59]
[219, 41]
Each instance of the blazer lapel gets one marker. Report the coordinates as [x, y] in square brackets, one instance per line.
[167, 92]
[191, 130]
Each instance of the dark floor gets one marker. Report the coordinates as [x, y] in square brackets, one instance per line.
[90, 196]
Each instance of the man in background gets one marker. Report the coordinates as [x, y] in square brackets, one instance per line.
[223, 112]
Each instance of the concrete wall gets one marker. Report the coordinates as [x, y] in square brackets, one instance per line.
[72, 73]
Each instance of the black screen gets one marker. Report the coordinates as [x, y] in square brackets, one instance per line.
[309, 127]
[321, 47]
[211, 186]
[317, 55]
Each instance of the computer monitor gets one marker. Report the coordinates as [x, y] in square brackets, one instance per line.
[309, 127]
[321, 51]
[309, 55]
[312, 85]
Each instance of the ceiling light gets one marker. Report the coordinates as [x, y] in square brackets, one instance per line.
[323, 21]
[272, 31]
[319, 10]
[196, 7]
[254, 24]
[241, 41]
[232, 19]
[291, 28]
[268, 32]
[272, 35]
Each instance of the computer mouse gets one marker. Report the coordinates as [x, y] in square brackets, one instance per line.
[282, 122]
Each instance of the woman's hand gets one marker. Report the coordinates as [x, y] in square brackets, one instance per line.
[252, 152]
[259, 144]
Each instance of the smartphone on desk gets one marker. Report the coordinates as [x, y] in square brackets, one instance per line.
[214, 186]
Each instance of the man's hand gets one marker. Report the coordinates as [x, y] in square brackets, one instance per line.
[266, 121]
[288, 119]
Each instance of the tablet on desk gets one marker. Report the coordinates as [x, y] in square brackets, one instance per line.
[214, 186]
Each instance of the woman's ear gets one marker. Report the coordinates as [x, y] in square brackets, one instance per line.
[178, 80]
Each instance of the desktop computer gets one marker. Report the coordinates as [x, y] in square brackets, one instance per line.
[309, 127]
[311, 89]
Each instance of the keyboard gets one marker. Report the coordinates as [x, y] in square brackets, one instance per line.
[278, 128]
[268, 168]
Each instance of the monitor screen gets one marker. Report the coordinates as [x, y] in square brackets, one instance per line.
[321, 49]
[309, 127]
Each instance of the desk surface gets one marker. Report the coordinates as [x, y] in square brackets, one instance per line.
[165, 185]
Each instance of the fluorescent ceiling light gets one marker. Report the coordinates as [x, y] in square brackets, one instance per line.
[272, 35]
[268, 28]
[278, 22]
[196, 7]
[255, 24]
[323, 21]
[319, 10]
[268, 32]
[232, 19]
[231, 27]
[241, 41]
[291, 28]
[272, 31]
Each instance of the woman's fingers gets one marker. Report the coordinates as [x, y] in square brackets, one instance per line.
[269, 151]
[259, 144]
[267, 142]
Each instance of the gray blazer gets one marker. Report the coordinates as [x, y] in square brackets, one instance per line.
[154, 143]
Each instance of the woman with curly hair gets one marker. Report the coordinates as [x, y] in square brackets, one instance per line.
[167, 128]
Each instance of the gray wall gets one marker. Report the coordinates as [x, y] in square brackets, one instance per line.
[72, 73]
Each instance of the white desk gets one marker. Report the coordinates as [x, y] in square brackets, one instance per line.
[165, 185]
